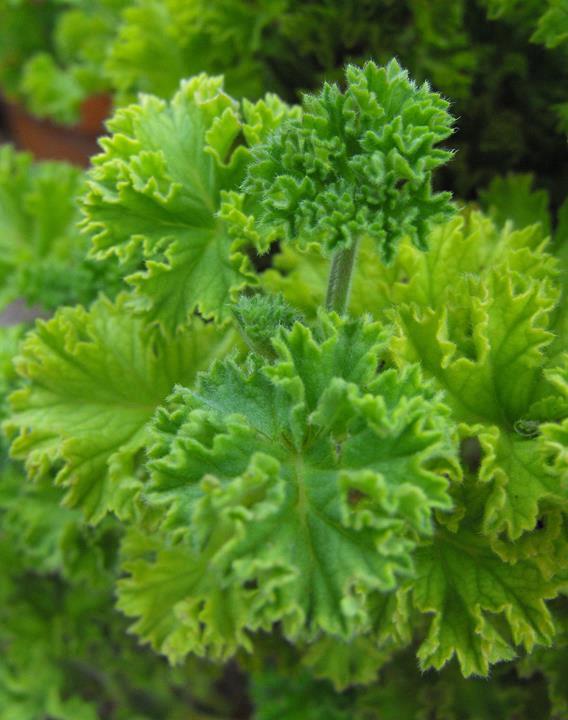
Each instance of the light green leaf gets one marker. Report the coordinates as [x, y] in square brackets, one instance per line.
[484, 334]
[154, 197]
[41, 249]
[50, 90]
[93, 380]
[51, 538]
[482, 606]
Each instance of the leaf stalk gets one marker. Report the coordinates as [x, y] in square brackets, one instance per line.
[340, 277]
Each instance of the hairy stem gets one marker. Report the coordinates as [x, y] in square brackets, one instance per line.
[340, 275]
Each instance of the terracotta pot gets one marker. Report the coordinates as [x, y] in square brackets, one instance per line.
[48, 141]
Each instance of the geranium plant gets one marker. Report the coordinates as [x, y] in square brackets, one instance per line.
[353, 462]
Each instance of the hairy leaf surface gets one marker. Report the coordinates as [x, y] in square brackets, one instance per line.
[295, 492]
[356, 163]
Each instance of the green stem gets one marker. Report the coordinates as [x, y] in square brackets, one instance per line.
[339, 285]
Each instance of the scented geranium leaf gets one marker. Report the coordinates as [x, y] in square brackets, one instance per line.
[292, 492]
[155, 193]
[482, 311]
[482, 606]
[356, 163]
[37, 217]
[487, 337]
[265, 116]
[93, 381]
[491, 376]
[147, 53]
[521, 478]
[57, 76]
[260, 317]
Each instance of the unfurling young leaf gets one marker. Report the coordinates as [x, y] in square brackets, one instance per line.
[356, 163]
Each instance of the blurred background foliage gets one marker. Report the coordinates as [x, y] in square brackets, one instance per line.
[503, 63]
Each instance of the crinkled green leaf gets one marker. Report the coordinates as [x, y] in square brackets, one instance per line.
[484, 336]
[478, 310]
[482, 607]
[93, 381]
[51, 91]
[37, 215]
[293, 492]
[356, 163]
[155, 196]
[260, 317]
[63, 67]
